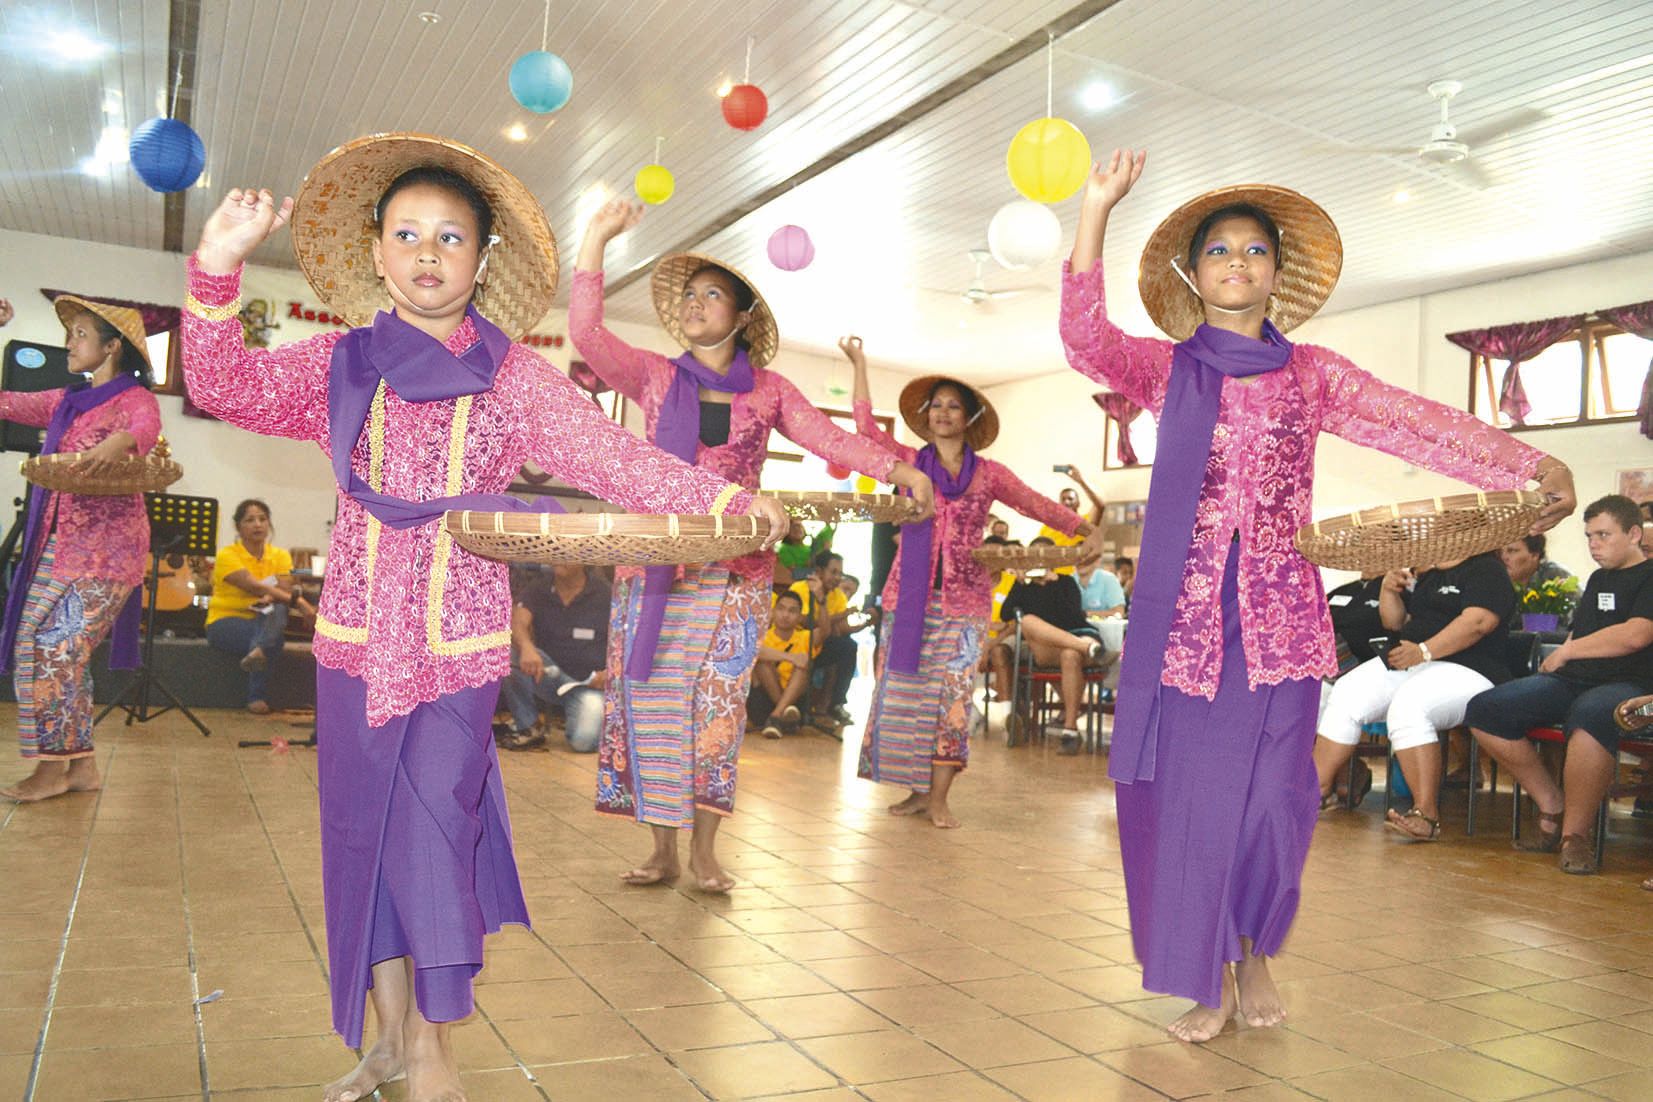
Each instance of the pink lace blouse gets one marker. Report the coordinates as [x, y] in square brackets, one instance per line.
[406, 610]
[1259, 481]
[773, 403]
[966, 588]
[97, 536]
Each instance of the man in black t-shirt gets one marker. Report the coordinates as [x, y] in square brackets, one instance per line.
[1055, 629]
[559, 644]
[1607, 659]
[1452, 636]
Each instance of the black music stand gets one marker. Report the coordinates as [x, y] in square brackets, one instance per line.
[178, 525]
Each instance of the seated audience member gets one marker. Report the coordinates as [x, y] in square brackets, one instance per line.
[1355, 618]
[1057, 633]
[1647, 528]
[1007, 578]
[1527, 566]
[998, 528]
[1606, 659]
[252, 593]
[851, 585]
[1101, 595]
[1453, 635]
[1124, 568]
[559, 656]
[1070, 499]
[772, 702]
[826, 619]
[791, 556]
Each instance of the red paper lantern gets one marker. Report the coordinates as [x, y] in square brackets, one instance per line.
[834, 470]
[745, 107]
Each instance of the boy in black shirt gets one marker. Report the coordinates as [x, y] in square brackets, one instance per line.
[1607, 659]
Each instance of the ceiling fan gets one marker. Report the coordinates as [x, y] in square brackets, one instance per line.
[977, 293]
[1454, 150]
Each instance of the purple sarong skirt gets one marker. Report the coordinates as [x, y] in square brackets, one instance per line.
[415, 845]
[1214, 845]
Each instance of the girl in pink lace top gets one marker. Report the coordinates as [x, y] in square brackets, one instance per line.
[1229, 633]
[681, 646]
[938, 598]
[431, 407]
[83, 555]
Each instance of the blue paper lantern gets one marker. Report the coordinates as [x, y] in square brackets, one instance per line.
[541, 81]
[167, 154]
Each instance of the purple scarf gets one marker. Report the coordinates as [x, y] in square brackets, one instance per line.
[123, 637]
[419, 368]
[1198, 367]
[907, 638]
[677, 431]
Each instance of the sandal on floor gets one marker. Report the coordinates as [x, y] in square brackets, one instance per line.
[1578, 856]
[1402, 825]
[1548, 841]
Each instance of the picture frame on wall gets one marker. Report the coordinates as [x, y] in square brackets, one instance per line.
[1636, 484]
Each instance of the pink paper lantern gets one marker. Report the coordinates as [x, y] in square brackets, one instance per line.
[790, 248]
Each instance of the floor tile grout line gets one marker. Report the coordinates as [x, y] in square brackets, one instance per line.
[68, 925]
[189, 936]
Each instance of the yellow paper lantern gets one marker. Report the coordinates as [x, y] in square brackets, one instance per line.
[654, 184]
[1048, 160]
[865, 485]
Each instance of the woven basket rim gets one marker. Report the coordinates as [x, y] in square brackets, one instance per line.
[644, 538]
[1011, 557]
[138, 474]
[1421, 532]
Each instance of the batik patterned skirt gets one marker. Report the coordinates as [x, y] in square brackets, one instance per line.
[63, 622]
[671, 744]
[923, 719]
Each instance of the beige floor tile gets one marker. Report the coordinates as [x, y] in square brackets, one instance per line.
[1025, 994]
[643, 990]
[1447, 1023]
[752, 1071]
[958, 1086]
[94, 1075]
[953, 965]
[75, 1027]
[124, 987]
[1516, 1009]
[918, 1006]
[1553, 1059]
[707, 1025]
[1609, 1039]
[1181, 1070]
[1472, 1075]
[537, 999]
[994, 1042]
[817, 1015]
[649, 1078]
[1370, 1083]
[247, 1019]
[600, 1036]
[1580, 998]
[878, 1055]
[1365, 1036]
[1094, 1029]
[1281, 1053]
[277, 1062]
[864, 973]
[1071, 1079]
[1635, 1086]
[766, 981]
[19, 1030]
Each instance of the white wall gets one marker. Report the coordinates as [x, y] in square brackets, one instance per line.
[229, 464]
[1051, 419]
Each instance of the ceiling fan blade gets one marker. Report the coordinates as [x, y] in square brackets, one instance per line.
[1364, 150]
[1502, 126]
[1471, 172]
[1016, 292]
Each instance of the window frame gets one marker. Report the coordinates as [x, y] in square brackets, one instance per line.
[1590, 336]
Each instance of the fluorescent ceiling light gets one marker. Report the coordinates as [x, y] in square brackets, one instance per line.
[72, 45]
[1098, 95]
[110, 151]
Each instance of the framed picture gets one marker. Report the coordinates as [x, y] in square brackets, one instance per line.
[1637, 485]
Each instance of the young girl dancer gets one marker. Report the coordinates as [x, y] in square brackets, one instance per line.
[1229, 633]
[681, 645]
[937, 599]
[430, 407]
[84, 555]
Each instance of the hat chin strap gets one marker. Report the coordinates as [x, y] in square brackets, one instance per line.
[1182, 275]
[733, 333]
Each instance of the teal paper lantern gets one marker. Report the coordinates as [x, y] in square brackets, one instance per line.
[167, 154]
[541, 81]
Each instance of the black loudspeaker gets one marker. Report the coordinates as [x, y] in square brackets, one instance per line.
[31, 367]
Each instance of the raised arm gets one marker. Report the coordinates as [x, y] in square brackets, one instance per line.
[861, 403]
[1137, 367]
[277, 392]
[1021, 497]
[1363, 409]
[30, 407]
[620, 365]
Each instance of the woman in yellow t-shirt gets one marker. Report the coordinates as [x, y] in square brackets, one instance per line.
[251, 599]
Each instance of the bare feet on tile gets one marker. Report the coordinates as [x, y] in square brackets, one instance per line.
[1202, 1022]
[709, 875]
[941, 815]
[52, 778]
[1260, 1002]
[914, 804]
[382, 1064]
[433, 1074]
[656, 870]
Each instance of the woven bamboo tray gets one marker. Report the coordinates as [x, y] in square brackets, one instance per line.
[996, 556]
[842, 505]
[1420, 533]
[616, 539]
[136, 475]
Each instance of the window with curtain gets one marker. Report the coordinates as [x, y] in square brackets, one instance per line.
[1593, 373]
[1144, 439]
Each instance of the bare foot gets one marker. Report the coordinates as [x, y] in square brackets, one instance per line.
[49, 779]
[382, 1064]
[433, 1076]
[912, 805]
[709, 875]
[940, 816]
[83, 775]
[656, 870]
[1203, 1022]
[1260, 1002]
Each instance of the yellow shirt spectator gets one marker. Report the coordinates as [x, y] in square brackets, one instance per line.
[836, 603]
[232, 600]
[792, 644]
[1060, 540]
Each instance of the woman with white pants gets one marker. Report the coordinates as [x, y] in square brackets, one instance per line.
[1451, 627]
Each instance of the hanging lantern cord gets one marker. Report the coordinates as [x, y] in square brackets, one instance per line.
[545, 29]
[657, 142]
[749, 43]
[1050, 75]
[177, 82]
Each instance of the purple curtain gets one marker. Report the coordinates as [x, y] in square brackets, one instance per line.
[156, 318]
[1515, 343]
[1637, 318]
[1121, 411]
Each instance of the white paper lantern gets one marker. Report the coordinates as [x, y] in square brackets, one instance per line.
[1023, 235]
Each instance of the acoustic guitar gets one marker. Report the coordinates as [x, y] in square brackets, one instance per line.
[176, 588]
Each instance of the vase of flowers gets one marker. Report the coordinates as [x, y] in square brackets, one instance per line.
[1546, 605]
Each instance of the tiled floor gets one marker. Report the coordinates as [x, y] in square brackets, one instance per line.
[864, 957]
